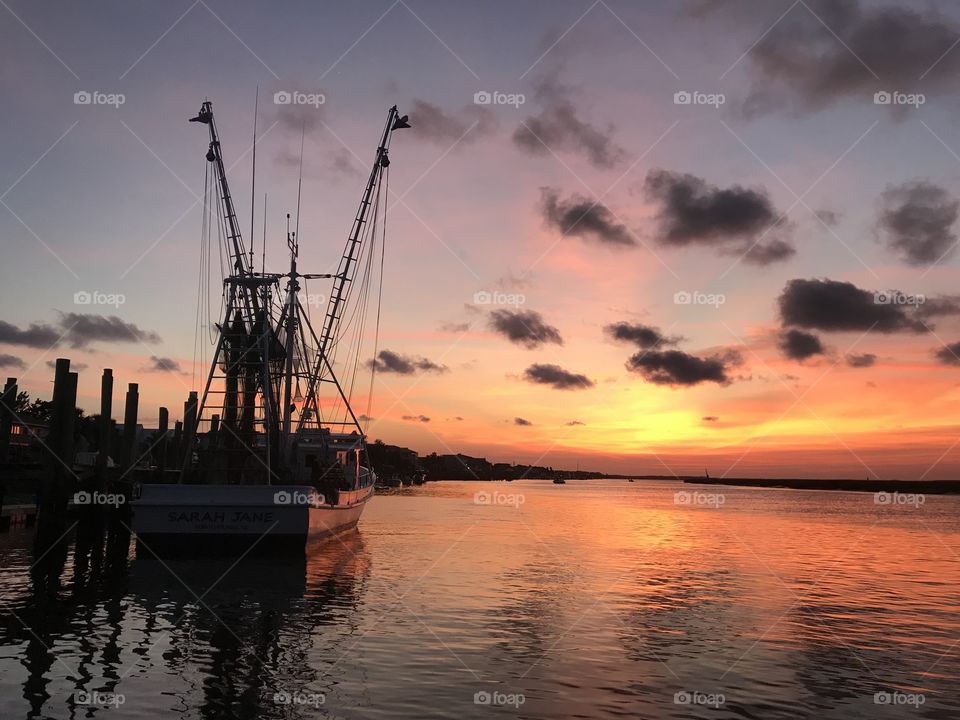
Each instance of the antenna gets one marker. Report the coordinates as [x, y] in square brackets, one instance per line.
[263, 266]
[300, 180]
[253, 172]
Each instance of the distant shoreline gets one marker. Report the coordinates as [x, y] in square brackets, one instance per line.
[928, 487]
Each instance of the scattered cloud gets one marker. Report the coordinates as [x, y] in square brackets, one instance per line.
[74, 366]
[36, 335]
[710, 418]
[521, 421]
[83, 329]
[415, 418]
[436, 125]
[524, 327]
[162, 364]
[388, 361]
[556, 377]
[734, 220]
[581, 217]
[559, 127]
[365, 418]
[832, 305]
[864, 360]
[455, 327]
[679, 369]
[11, 361]
[825, 50]
[643, 336]
[917, 219]
[799, 345]
[949, 354]
[573, 423]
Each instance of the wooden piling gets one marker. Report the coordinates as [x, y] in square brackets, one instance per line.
[162, 441]
[104, 428]
[59, 475]
[130, 426]
[189, 430]
[7, 401]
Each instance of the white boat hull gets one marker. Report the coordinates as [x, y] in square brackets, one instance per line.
[199, 517]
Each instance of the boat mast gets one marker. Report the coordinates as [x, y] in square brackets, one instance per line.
[293, 288]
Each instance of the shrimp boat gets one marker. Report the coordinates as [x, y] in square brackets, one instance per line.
[272, 454]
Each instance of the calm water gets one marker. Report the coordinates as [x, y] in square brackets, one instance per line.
[592, 599]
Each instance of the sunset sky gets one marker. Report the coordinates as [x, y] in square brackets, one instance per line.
[704, 234]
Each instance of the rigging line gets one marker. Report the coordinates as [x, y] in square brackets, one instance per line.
[296, 236]
[376, 333]
[253, 172]
[203, 230]
[263, 246]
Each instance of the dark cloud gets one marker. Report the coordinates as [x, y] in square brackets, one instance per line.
[556, 377]
[458, 418]
[433, 123]
[292, 119]
[365, 418]
[861, 361]
[524, 327]
[828, 49]
[581, 217]
[37, 335]
[559, 126]
[521, 421]
[829, 217]
[949, 354]
[455, 327]
[572, 423]
[74, 366]
[831, 305]
[917, 219]
[735, 220]
[940, 306]
[162, 364]
[799, 345]
[643, 336]
[83, 329]
[415, 418]
[679, 369]
[388, 361]
[11, 361]
[709, 418]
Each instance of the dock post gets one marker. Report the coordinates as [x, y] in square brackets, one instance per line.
[164, 424]
[130, 426]
[7, 401]
[104, 428]
[54, 494]
[189, 430]
[178, 448]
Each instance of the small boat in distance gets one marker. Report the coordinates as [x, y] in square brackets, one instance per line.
[559, 481]
[264, 461]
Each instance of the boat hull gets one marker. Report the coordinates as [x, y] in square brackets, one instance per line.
[216, 518]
